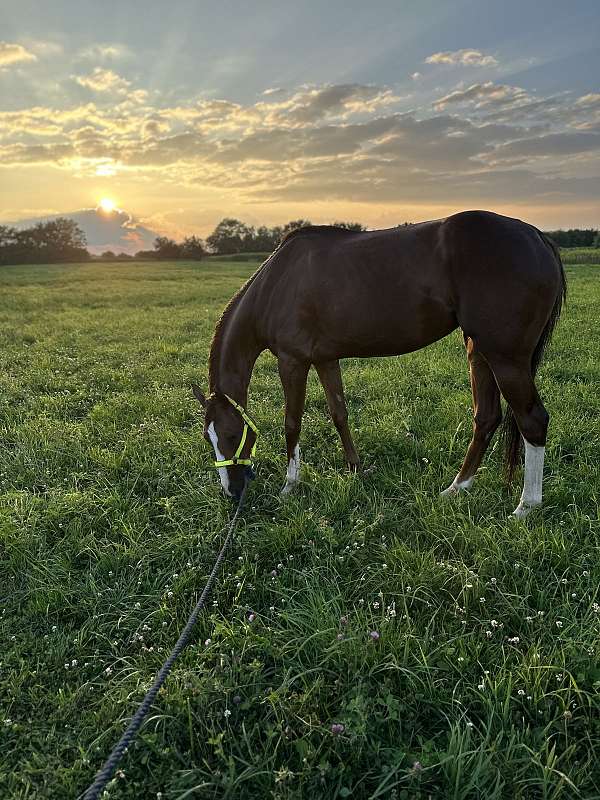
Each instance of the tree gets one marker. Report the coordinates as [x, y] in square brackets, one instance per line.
[193, 248]
[108, 255]
[294, 224]
[58, 240]
[227, 238]
[166, 248]
[350, 226]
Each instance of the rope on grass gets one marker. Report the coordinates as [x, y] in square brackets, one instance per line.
[104, 775]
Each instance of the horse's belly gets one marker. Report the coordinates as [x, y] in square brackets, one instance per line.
[383, 331]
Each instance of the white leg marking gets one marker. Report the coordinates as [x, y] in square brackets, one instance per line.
[532, 484]
[219, 457]
[457, 486]
[293, 472]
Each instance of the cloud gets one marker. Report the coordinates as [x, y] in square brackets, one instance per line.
[589, 101]
[466, 57]
[105, 52]
[483, 94]
[353, 142]
[553, 144]
[104, 80]
[11, 53]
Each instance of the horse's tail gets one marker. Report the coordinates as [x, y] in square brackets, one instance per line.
[513, 441]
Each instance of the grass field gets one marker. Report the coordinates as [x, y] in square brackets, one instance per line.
[484, 679]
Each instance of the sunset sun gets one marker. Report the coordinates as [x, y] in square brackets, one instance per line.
[107, 205]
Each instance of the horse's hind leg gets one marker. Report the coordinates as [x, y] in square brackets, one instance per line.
[331, 380]
[293, 374]
[486, 418]
[518, 388]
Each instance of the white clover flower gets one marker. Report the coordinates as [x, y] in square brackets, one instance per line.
[227, 713]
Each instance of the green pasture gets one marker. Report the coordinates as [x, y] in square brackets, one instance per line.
[366, 640]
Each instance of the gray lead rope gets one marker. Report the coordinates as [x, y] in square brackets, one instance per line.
[104, 775]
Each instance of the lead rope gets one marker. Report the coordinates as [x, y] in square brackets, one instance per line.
[106, 772]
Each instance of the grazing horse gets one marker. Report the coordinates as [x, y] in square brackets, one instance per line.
[328, 293]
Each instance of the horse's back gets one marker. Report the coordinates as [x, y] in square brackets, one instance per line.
[331, 293]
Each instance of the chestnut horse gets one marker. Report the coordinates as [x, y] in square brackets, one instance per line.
[328, 293]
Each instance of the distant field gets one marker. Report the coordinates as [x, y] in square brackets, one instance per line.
[580, 255]
[484, 682]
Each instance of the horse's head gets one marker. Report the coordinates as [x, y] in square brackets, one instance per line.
[233, 437]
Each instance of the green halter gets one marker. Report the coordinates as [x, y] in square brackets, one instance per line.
[248, 423]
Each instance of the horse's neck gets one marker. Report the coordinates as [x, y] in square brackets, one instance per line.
[238, 349]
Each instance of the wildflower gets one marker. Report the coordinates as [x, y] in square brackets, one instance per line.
[207, 642]
[237, 699]
[375, 605]
[227, 713]
[374, 635]
[139, 605]
[469, 724]
[251, 617]
[586, 573]
[559, 623]
[494, 580]
[344, 620]
[53, 628]
[108, 671]
[514, 640]
[521, 692]
[494, 623]
[482, 599]
[417, 766]
[488, 634]
[74, 662]
[273, 573]
[384, 566]
[337, 728]
[340, 636]
[563, 580]
[460, 658]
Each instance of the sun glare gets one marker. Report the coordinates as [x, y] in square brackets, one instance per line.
[107, 205]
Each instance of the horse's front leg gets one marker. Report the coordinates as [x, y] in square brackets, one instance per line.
[293, 374]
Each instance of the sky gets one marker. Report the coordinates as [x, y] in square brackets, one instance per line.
[185, 112]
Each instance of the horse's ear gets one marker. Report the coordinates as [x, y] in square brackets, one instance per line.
[199, 395]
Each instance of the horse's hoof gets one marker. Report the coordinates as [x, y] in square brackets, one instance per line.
[523, 509]
[449, 492]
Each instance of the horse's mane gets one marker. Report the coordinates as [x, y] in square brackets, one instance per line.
[217, 340]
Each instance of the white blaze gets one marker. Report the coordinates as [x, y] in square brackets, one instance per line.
[532, 484]
[219, 457]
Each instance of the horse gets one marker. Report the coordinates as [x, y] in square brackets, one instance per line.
[328, 293]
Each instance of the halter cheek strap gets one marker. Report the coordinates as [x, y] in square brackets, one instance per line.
[248, 423]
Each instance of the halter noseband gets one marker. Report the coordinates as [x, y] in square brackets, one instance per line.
[248, 423]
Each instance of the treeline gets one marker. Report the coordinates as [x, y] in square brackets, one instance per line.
[45, 243]
[230, 237]
[62, 239]
[576, 237]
